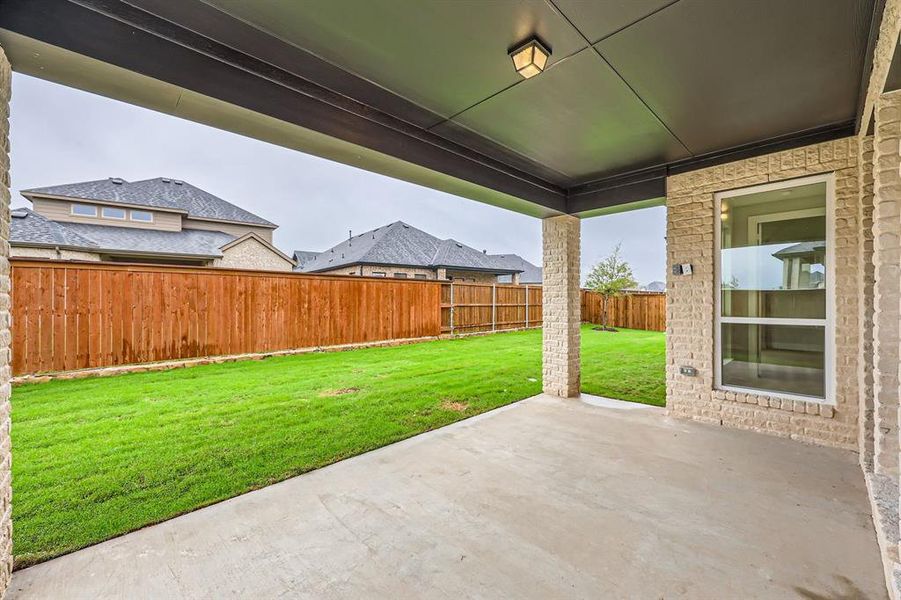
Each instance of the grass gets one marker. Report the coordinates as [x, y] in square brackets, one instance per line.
[95, 458]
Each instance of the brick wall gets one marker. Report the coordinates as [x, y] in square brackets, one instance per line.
[53, 254]
[472, 276]
[411, 272]
[561, 305]
[690, 298]
[887, 262]
[368, 270]
[866, 277]
[6, 558]
[251, 254]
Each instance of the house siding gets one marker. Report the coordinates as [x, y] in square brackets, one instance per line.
[691, 298]
[230, 228]
[60, 210]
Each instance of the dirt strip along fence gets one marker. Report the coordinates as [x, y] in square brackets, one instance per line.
[633, 310]
[76, 315]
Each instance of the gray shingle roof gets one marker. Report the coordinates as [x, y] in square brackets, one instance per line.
[28, 227]
[34, 229]
[301, 257]
[530, 273]
[160, 192]
[801, 249]
[400, 244]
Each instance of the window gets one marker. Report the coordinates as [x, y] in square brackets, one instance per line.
[774, 310]
[110, 212]
[400, 275]
[84, 210]
[379, 274]
[419, 276]
[142, 215]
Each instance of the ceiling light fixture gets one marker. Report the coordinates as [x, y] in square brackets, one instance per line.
[530, 57]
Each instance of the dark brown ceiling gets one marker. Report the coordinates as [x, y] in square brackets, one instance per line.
[633, 89]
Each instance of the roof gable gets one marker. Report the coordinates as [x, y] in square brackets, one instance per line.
[253, 237]
[161, 193]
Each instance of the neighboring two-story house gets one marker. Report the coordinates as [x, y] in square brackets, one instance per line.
[402, 251]
[161, 220]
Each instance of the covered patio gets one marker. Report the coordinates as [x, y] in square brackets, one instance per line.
[543, 498]
[767, 128]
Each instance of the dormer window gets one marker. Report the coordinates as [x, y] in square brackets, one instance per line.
[111, 212]
[84, 210]
[142, 215]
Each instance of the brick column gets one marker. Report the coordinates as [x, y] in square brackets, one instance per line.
[561, 306]
[6, 542]
[866, 275]
[887, 286]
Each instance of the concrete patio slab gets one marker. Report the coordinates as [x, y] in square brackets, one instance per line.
[546, 498]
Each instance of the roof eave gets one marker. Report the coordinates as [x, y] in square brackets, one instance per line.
[364, 263]
[20, 244]
[31, 195]
[264, 225]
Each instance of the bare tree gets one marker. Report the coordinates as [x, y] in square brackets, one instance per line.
[609, 278]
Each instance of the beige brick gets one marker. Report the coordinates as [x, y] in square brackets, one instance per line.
[886, 257]
[6, 557]
[561, 306]
[865, 283]
[690, 299]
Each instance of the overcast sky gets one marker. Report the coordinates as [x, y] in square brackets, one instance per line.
[61, 135]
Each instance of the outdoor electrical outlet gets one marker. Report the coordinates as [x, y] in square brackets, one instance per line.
[688, 371]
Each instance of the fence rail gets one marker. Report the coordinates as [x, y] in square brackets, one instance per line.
[69, 315]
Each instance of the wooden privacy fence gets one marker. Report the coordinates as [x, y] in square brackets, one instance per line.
[474, 307]
[69, 315]
[77, 315]
[634, 310]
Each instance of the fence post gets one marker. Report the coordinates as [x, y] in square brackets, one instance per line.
[527, 306]
[493, 307]
[452, 307]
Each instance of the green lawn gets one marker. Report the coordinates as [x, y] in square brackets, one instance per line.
[95, 458]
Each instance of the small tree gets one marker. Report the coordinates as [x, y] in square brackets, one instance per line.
[609, 278]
